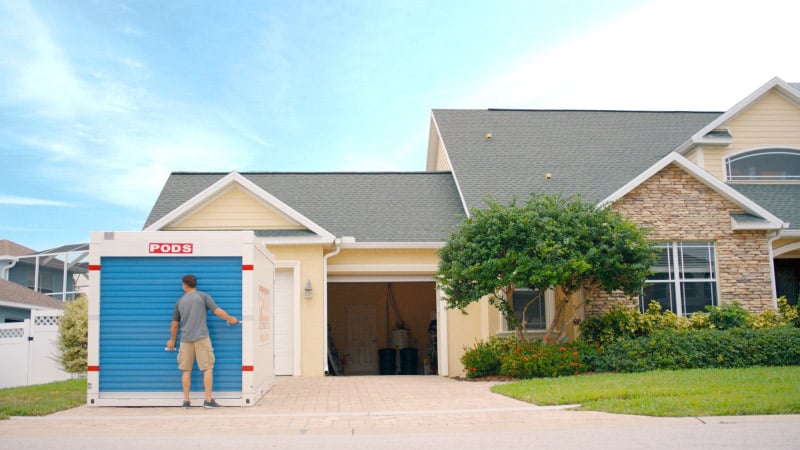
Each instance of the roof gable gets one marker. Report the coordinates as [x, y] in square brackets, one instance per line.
[770, 221]
[235, 180]
[237, 208]
[376, 207]
[707, 135]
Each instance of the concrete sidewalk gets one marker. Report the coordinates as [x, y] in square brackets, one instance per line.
[351, 406]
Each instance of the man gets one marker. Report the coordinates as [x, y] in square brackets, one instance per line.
[190, 315]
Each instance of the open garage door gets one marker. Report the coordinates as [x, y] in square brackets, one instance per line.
[369, 316]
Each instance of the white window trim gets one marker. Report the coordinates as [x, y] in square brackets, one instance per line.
[726, 175]
[677, 281]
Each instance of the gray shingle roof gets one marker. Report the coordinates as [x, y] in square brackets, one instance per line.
[372, 207]
[590, 153]
[13, 292]
[782, 200]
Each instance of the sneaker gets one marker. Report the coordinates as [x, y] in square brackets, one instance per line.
[211, 404]
[187, 404]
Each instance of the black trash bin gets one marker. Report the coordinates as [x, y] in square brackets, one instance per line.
[387, 361]
[408, 361]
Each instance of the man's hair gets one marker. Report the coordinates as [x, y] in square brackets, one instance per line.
[190, 280]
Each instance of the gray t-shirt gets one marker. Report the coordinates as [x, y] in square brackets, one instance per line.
[190, 311]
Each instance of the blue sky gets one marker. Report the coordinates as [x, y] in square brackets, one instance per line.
[101, 100]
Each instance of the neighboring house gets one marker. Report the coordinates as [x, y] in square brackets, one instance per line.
[719, 191]
[17, 302]
[52, 272]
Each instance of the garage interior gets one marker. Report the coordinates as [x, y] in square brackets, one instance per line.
[382, 328]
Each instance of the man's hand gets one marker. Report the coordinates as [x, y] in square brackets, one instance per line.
[233, 321]
[171, 344]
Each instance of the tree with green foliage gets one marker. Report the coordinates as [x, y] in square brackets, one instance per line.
[547, 241]
[73, 335]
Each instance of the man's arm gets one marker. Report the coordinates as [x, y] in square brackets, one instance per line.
[173, 334]
[219, 312]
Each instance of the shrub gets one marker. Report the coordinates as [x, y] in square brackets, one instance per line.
[622, 323]
[527, 359]
[728, 316]
[694, 349]
[73, 335]
[618, 324]
[538, 360]
[485, 357]
[784, 315]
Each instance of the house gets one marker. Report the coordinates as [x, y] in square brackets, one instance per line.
[51, 272]
[17, 302]
[356, 252]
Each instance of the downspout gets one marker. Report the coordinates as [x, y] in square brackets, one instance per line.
[7, 267]
[338, 248]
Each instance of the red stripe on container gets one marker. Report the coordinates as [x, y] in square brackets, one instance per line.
[247, 368]
[94, 266]
[247, 267]
[93, 368]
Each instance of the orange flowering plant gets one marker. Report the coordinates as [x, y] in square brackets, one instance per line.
[527, 359]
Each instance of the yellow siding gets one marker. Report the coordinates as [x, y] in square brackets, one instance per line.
[385, 257]
[772, 120]
[234, 210]
[463, 331]
[312, 317]
[714, 158]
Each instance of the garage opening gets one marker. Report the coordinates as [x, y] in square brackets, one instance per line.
[383, 328]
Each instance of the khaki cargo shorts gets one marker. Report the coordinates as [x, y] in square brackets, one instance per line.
[201, 350]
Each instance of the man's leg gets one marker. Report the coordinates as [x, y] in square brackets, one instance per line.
[186, 380]
[208, 382]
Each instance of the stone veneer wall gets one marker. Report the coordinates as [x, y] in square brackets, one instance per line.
[677, 207]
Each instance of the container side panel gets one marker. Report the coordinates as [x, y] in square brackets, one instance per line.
[137, 297]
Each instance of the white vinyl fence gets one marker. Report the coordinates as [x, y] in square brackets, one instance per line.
[29, 350]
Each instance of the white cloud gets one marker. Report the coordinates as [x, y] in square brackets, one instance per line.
[36, 70]
[13, 200]
[118, 140]
[675, 54]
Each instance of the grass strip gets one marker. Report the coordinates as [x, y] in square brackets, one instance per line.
[42, 399]
[679, 393]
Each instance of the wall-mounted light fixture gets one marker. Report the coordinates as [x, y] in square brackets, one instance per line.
[308, 291]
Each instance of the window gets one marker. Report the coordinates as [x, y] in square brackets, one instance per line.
[536, 317]
[685, 279]
[773, 164]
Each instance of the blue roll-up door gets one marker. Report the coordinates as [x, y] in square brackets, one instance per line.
[137, 296]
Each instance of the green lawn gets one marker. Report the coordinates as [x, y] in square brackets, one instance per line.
[700, 392]
[42, 399]
[680, 393]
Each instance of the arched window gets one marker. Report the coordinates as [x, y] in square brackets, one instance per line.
[770, 164]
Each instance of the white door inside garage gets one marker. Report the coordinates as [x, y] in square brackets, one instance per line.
[284, 322]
